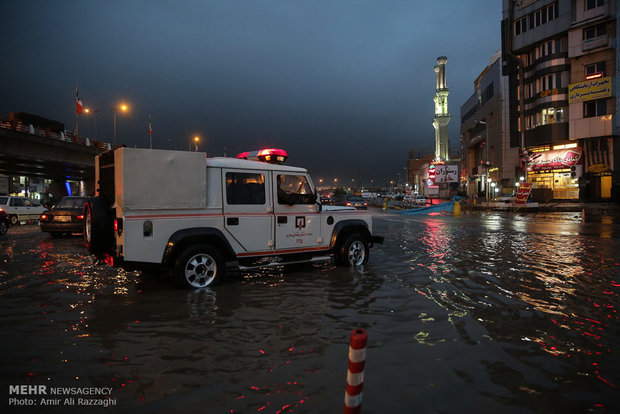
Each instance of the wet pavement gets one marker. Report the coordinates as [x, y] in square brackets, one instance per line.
[488, 312]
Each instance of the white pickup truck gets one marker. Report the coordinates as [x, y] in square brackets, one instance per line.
[196, 216]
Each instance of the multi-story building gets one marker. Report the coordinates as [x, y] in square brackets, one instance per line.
[593, 120]
[559, 56]
[488, 160]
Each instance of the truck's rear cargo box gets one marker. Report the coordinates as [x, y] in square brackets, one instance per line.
[160, 179]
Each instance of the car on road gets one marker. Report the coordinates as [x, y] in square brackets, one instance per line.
[508, 198]
[420, 200]
[66, 216]
[5, 222]
[353, 201]
[20, 208]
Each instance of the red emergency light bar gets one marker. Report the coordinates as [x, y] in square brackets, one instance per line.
[270, 155]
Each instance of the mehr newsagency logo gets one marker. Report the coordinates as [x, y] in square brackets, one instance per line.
[43, 395]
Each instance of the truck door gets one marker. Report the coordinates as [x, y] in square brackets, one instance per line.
[298, 224]
[248, 210]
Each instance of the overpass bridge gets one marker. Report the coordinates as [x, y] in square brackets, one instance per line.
[26, 151]
[34, 153]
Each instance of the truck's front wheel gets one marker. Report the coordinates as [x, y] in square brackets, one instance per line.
[354, 251]
[198, 266]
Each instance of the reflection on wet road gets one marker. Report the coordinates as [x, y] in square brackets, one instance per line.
[483, 313]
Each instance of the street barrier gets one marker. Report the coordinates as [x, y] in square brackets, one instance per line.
[355, 373]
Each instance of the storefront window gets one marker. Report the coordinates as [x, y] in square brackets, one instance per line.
[563, 185]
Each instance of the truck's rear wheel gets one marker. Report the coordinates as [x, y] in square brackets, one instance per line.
[198, 266]
[354, 251]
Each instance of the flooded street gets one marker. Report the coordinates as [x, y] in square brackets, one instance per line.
[489, 312]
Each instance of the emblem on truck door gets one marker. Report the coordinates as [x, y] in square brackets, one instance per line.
[300, 222]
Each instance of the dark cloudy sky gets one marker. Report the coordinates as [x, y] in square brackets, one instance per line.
[345, 86]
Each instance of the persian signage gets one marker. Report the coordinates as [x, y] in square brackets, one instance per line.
[598, 168]
[446, 173]
[549, 92]
[589, 90]
[554, 160]
[523, 192]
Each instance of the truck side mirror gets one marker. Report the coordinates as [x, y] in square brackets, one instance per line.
[317, 200]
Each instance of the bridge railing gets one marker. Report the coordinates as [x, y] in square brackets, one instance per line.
[66, 136]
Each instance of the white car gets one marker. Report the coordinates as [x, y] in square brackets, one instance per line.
[508, 198]
[420, 200]
[20, 208]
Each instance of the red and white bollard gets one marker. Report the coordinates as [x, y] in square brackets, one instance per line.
[355, 374]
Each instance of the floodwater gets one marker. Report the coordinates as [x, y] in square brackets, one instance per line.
[488, 312]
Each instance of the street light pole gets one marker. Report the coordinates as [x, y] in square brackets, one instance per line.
[123, 108]
[486, 175]
[114, 128]
[114, 112]
[195, 140]
[94, 112]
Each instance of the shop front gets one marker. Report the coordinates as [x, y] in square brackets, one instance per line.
[556, 171]
[598, 180]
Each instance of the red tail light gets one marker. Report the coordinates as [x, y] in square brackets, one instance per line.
[118, 224]
[44, 217]
[348, 203]
[80, 217]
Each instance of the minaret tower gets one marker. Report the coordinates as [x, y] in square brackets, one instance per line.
[442, 116]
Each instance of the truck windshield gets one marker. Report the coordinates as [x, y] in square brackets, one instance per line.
[294, 189]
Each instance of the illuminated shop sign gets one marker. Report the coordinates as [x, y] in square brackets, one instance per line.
[431, 172]
[598, 168]
[589, 90]
[447, 173]
[549, 92]
[554, 160]
[441, 172]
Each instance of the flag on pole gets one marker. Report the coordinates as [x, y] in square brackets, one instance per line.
[79, 107]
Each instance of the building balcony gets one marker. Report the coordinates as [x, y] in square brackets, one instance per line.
[546, 134]
[600, 41]
[596, 126]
